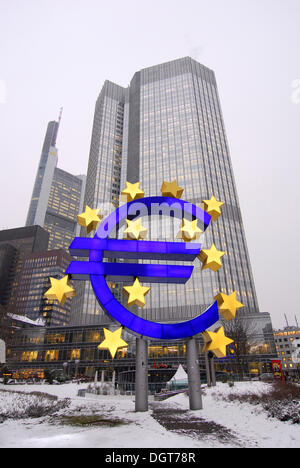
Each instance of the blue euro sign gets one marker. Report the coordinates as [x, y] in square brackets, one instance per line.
[98, 271]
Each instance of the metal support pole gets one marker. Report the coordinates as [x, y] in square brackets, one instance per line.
[212, 368]
[193, 375]
[141, 375]
[207, 368]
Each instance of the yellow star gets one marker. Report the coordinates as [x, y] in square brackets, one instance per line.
[136, 293]
[211, 258]
[171, 189]
[132, 192]
[135, 230]
[228, 305]
[189, 230]
[113, 341]
[60, 290]
[213, 207]
[216, 342]
[89, 219]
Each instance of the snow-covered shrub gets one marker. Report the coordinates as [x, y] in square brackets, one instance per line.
[284, 410]
[281, 401]
[18, 405]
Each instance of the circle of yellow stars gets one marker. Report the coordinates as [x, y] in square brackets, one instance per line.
[210, 258]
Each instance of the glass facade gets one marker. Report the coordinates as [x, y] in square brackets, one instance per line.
[74, 349]
[182, 137]
[102, 185]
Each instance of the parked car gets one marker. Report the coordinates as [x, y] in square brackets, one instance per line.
[267, 376]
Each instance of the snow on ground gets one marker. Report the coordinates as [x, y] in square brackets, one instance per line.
[249, 425]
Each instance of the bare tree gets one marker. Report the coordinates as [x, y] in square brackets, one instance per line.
[242, 330]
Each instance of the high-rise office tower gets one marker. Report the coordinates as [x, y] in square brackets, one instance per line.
[47, 164]
[65, 202]
[102, 183]
[168, 125]
[57, 196]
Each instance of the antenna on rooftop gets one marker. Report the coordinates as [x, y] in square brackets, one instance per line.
[60, 114]
[57, 127]
[296, 321]
[287, 323]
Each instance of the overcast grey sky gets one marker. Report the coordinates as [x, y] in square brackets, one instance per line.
[59, 52]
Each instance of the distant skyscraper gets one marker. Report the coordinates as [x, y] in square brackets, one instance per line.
[64, 204]
[44, 176]
[57, 195]
[168, 124]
